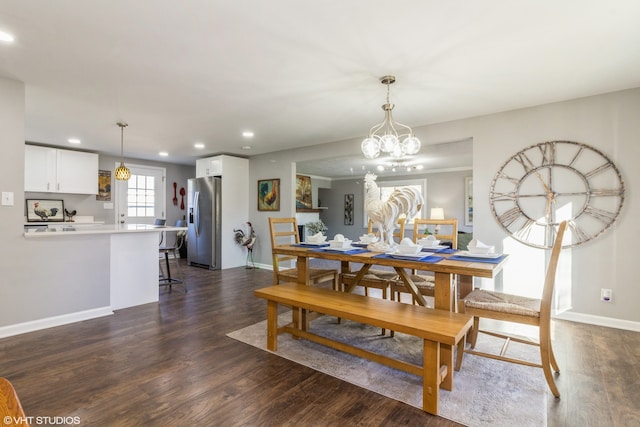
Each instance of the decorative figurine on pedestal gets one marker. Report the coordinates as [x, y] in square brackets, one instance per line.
[247, 241]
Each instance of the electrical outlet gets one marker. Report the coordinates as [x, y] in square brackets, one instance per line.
[606, 295]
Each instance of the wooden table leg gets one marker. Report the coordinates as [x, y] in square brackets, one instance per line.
[303, 270]
[466, 285]
[430, 377]
[272, 325]
[411, 286]
[443, 291]
[356, 280]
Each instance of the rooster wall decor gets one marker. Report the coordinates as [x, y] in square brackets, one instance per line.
[385, 213]
[44, 213]
[247, 240]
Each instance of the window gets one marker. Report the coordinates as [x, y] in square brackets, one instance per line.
[141, 196]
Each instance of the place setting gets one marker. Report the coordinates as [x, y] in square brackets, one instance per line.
[318, 240]
[478, 251]
[341, 244]
[408, 250]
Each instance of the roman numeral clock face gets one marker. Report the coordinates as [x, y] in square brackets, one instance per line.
[547, 183]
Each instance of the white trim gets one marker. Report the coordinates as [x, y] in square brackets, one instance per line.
[591, 319]
[50, 322]
[264, 266]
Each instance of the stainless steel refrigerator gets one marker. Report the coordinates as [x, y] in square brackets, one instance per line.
[203, 222]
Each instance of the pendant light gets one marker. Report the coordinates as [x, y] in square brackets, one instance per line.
[384, 137]
[122, 173]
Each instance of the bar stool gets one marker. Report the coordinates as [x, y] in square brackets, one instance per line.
[167, 279]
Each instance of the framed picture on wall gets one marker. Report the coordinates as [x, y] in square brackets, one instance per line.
[468, 200]
[45, 210]
[303, 192]
[104, 185]
[348, 209]
[269, 194]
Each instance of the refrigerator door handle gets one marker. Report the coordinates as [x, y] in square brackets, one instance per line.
[196, 205]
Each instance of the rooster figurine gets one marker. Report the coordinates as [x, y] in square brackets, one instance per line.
[247, 241]
[69, 215]
[385, 213]
[44, 213]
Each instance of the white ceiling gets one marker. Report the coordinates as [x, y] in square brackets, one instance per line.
[299, 73]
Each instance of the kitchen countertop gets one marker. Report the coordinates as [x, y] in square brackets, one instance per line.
[66, 229]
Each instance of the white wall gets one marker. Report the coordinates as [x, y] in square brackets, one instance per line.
[41, 278]
[607, 122]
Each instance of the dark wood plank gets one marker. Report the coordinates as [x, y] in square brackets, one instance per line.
[171, 364]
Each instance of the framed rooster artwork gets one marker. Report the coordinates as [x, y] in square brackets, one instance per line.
[269, 194]
[45, 210]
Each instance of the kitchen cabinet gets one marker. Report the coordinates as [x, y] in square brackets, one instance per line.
[51, 170]
[210, 166]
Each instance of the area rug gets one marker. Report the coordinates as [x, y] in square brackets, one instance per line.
[486, 392]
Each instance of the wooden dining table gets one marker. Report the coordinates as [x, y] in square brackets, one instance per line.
[444, 270]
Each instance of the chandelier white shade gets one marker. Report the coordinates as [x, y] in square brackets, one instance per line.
[122, 173]
[389, 137]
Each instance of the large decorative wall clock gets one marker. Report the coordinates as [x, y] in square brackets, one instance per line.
[549, 182]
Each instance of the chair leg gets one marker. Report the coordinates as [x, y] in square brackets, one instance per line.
[473, 334]
[548, 359]
[546, 367]
[554, 363]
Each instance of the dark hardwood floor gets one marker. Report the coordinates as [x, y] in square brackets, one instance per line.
[172, 364]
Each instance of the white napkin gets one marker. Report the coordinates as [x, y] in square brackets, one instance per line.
[338, 238]
[475, 243]
[407, 242]
[477, 246]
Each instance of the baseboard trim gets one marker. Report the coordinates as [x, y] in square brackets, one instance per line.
[599, 321]
[264, 266]
[50, 322]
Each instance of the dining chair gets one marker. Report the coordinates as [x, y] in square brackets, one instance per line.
[376, 278]
[513, 308]
[284, 231]
[426, 282]
[10, 408]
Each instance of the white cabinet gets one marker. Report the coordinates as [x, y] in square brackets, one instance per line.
[51, 170]
[211, 166]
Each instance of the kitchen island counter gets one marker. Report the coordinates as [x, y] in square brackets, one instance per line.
[68, 229]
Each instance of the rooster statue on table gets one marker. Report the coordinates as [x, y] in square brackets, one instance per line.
[247, 240]
[385, 213]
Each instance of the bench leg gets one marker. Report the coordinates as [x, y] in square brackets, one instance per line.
[446, 357]
[272, 325]
[431, 377]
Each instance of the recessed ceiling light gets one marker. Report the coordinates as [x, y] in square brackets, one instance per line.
[246, 147]
[380, 168]
[73, 141]
[6, 37]
[247, 134]
[199, 145]
[420, 167]
[163, 153]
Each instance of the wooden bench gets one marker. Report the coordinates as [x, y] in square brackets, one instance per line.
[440, 330]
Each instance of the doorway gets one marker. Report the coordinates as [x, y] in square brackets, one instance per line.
[141, 199]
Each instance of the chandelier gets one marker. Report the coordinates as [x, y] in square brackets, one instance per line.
[122, 173]
[384, 137]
